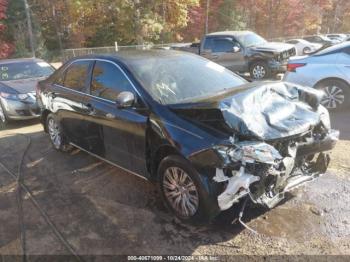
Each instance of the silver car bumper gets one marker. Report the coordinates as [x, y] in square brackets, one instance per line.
[20, 110]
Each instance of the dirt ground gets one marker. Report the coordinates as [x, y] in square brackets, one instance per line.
[88, 207]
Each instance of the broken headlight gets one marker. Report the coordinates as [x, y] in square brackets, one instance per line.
[251, 152]
[324, 117]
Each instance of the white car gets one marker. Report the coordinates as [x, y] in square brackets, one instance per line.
[340, 37]
[304, 47]
[328, 70]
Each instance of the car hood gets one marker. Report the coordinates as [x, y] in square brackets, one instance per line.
[275, 47]
[266, 111]
[23, 86]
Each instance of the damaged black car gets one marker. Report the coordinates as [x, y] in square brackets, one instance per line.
[205, 135]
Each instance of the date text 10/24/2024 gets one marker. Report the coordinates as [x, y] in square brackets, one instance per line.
[173, 258]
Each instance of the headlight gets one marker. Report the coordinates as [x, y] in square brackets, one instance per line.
[324, 117]
[14, 96]
[255, 151]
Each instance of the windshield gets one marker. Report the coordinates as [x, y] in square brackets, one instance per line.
[25, 70]
[183, 78]
[250, 39]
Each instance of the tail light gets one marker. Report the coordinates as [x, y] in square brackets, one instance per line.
[293, 66]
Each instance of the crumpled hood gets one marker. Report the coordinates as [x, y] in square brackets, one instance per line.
[274, 47]
[263, 111]
[23, 86]
[273, 110]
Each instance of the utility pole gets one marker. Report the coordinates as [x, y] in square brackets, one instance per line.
[59, 38]
[30, 28]
[207, 17]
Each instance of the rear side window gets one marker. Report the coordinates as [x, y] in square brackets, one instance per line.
[77, 75]
[108, 81]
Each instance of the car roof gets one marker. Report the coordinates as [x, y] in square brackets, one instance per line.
[127, 56]
[334, 48]
[20, 60]
[226, 33]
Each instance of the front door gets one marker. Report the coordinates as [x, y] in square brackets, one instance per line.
[221, 50]
[117, 135]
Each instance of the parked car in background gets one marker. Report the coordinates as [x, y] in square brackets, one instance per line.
[339, 37]
[208, 137]
[321, 39]
[243, 51]
[18, 80]
[327, 70]
[304, 47]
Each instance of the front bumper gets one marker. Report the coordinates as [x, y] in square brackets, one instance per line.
[277, 67]
[239, 185]
[20, 110]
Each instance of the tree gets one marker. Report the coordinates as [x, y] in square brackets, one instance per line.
[6, 48]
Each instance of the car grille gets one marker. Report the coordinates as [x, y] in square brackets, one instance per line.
[286, 54]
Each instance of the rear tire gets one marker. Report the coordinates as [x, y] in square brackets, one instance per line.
[306, 50]
[55, 131]
[181, 190]
[337, 94]
[259, 70]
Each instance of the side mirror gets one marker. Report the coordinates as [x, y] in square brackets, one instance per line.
[236, 49]
[125, 99]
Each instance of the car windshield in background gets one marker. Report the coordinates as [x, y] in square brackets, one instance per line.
[183, 78]
[25, 70]
[250, 39]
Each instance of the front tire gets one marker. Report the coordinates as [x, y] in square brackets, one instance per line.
[182, 191]
[259, 70]
[337, 94]
[56, 134]
[3, 118]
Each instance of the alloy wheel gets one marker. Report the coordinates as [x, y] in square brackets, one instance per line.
[334, 97]
[259, 72]
[54, 132]
[180, 191]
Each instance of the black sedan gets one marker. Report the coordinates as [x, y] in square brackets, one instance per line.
[209, 138]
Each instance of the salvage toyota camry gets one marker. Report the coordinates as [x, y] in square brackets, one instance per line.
[209, 138]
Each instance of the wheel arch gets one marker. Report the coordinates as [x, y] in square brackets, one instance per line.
[330, 79]
[255, 60]
[159, 154]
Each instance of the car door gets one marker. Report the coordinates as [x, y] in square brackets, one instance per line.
[343, 63]
[221, 51]
[116, 134]
[67, 100]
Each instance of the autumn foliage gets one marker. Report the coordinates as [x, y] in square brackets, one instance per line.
[61, 24]
[6, 48]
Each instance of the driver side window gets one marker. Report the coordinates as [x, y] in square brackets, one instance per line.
[223, 45]
[108, 81]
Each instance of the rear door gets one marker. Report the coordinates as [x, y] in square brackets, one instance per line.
[117, 135]
[67, 100]
[220, 50]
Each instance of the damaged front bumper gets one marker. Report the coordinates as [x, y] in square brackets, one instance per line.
[273, 173]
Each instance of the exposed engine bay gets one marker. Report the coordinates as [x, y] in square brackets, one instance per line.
[280, 143]
[264, 171]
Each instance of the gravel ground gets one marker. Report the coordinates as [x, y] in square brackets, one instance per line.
[99, 209]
